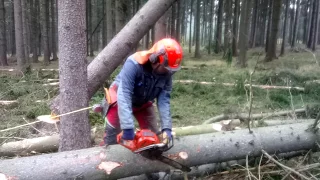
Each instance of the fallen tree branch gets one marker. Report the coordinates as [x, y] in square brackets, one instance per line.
[118, 162]
[244, 116]
[283, 166]
[232, 84]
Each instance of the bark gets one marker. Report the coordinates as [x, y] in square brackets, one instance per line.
[74, 129]
[227, 28]
[109, 19]
[244, 33]
[235, 25]
[117, 162]
[161, 27]
[114, 53]
[35, 30]
[32, 146]
[204, 22]
[316, 27]
[252, 41]
[272, 46]
[122, 11]
[270, 9]
[90, 26]
[19, 36]
[45, 31]
[190, 26]
[197, 32]
[3, 39]
[173, 20]
[284, 35]
[243, 116]
[183, 22]
[312, 25]
[219, 27]
[210, 25]
[178, 35]
[53, 31]
[25, 31]
[12, 30]
[296, 25]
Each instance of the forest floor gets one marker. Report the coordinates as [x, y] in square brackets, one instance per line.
[192, 103]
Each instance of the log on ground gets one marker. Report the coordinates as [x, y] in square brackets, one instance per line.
[116, 162]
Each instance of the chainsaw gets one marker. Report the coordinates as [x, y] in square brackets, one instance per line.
[148, 145]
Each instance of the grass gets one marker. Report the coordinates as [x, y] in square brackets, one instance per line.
[191, 103]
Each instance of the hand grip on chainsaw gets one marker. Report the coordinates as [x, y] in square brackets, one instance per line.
[130, 144]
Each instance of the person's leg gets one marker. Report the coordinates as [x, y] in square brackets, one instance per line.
[146, 117]
[112, 126]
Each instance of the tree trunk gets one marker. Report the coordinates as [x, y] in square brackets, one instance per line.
[90, 26]
[12, 30]
[118, 162]
[197, 24]
[109, 19]
[183, 25]
[227, 27]
[252, 41]
[173, 20]
[3, 39]
[263, 19]
[219, 27]
[270, 9]
[316, 27]
[190, 26]
[121, 14]
[235, 25]
[178, 35]
[210, 25]
[160, 28]
[306, 16]
[284, 35]
[35, 30]
[105, 62]
[53, 31]
[296, 25]
[204, 22]
[45, 34]
[276, 11]
[244, 32]
[74, 129]
[25, 30]
[19, 36]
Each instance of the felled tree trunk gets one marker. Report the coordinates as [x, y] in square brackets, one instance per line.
[121, 45]
[117, 162]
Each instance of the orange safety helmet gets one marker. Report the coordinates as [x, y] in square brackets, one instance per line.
[167, 52]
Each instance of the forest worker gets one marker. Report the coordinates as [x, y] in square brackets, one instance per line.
[146, 76]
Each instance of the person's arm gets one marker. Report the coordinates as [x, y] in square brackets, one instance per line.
[163, 103]
[124, 93]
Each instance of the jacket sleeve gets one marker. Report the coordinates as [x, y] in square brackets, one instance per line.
[163, 103]
[125, 92]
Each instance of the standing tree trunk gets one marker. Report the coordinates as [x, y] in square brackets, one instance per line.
[276, 12]
[235, 25]
[44, 28]
[306, 17]
[89, 24]
[160, 28]
[12, 30]
[252, 41]
[109, 19]
[19, 36]
[197, 21]
[244, 32]
[204, 22]
[75, 128]
[3, 40]
[121, 14]
[178, 35]
[53, 30]
[173, 20]
[296, 25]
[269, 24]
[316, 26]
[227, 27]
[35, 31]
[190, 27]
[210, 25]
[183, 22]
[285, 28]
[25, 30]
[219, 27]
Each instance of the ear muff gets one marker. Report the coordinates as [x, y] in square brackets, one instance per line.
[154, 58]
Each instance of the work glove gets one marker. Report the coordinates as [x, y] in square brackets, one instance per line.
[166, 136]
[97, 108]
[126, 139]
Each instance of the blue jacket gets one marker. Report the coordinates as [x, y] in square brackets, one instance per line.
[137, 85]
